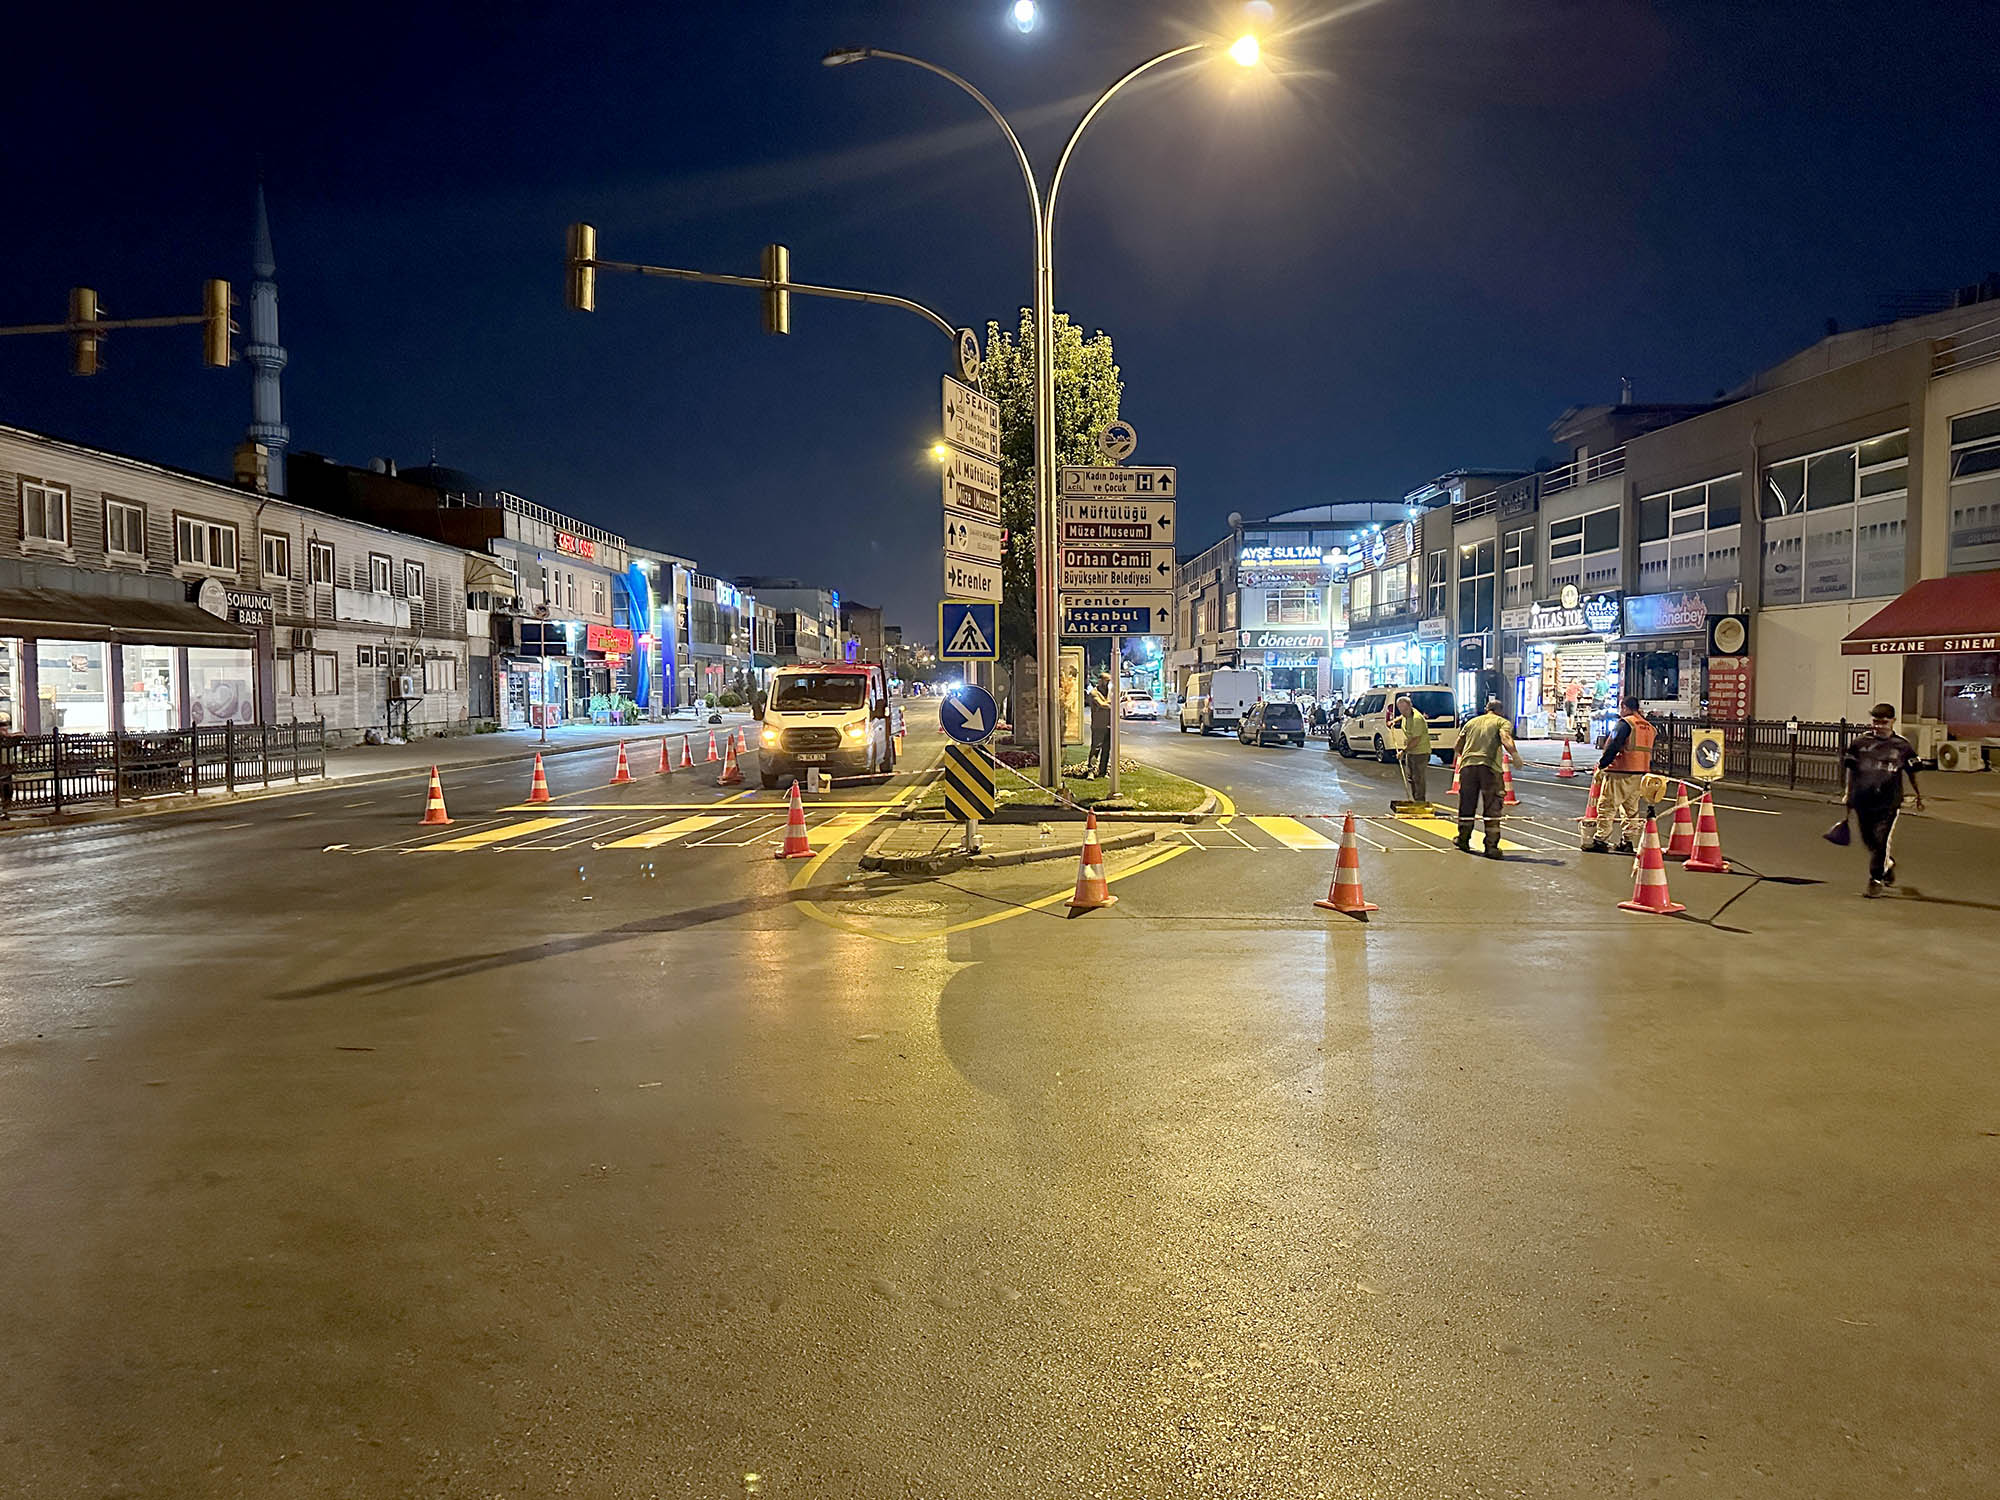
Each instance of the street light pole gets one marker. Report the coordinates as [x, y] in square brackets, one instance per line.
[1048, 624]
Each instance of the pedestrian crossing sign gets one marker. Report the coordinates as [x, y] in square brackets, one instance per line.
[968, 631]
[968, 783]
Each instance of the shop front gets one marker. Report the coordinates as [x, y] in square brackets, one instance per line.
[1665, 646]
[1947, 633]
[1293, 613]
[1569, 673]
[82, 664]
[1382, 661]
[1293, 661]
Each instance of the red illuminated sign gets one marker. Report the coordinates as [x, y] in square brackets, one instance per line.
[576, 546]
[607, 638]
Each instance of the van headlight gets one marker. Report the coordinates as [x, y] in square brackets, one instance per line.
[856, 731]
[768, 736]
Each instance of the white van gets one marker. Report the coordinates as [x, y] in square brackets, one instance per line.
[1368, 725]
[1219, 699]
[833, 715]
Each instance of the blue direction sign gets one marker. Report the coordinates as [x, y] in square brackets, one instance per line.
[968, 631]
[1113, 619]
[968, 714]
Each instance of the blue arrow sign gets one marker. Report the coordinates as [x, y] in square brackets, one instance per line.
[968, 714]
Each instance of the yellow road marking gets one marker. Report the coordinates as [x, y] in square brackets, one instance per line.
[734, 806]
[666, 833]
[839, 829]
[1293, 834]
[487, 836]
[1446, 830]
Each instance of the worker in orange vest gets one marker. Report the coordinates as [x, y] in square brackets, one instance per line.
[1627, 758]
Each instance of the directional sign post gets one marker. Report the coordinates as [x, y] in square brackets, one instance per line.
[971, 539]
[968, 715]
[971, 421]
[971, 580]
[1083, 483]
[1117, 614]
[971, 484]
[968, 631]
[1127, 523]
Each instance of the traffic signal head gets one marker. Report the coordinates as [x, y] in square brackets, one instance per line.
[83, 344]
[777, 299]
[215, 325]
[580, 290]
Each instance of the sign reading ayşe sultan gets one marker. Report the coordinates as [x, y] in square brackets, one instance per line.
[576, 546]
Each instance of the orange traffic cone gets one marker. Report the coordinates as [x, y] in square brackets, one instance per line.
[1649, 879]
[434, 803]
[666, 760]
[1344, 895]
[1507, 781]
[1091, 890]
[796, 846]
[624, 772]
[1590, 805]
[1454, 776]
[1707, 856]
[1568, 768]
[1680, 842]
[538, 789]
[711, 747]
[731, 774]
[687, 751]
[742, 743]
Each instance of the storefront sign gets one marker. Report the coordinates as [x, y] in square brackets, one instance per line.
[1436, 628]
[1945, 644]
[1729, 688]
[247, 607]
[1284, 640]
[576, 546]
[1515, 619]
[1253, 555]
[607, 638]
[1665, 614]
[1595, 614]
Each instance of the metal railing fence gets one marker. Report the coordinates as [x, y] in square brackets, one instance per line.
[52, 772]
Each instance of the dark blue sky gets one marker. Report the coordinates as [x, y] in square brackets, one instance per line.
[1437, 224]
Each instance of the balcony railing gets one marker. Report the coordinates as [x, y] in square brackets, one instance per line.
[1596, 466]
[1976, 345]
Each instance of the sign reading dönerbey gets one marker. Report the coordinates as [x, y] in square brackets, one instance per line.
[1141, 523]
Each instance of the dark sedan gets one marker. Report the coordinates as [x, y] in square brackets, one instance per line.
[1268, 723]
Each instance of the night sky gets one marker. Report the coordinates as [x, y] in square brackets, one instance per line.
[1429, 227]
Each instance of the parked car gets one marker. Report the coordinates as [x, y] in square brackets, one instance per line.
[1368, 725]
[1139, 706]
[1266, 722]
[1219, 699]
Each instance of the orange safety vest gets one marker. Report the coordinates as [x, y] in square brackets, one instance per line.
[1638, 752]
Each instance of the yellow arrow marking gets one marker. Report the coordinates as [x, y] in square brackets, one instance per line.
[487, 836]
[666, 833]
[1293, 834]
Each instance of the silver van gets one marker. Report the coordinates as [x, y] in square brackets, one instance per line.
[1368, 725]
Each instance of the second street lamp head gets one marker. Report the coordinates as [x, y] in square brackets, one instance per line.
[1244, 51]
[840, 56]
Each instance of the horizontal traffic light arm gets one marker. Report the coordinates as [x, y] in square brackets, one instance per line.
[758, 283]
[107, 325]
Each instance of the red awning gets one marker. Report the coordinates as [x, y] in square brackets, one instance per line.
[1938, 615]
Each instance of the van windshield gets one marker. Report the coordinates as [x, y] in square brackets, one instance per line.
[812, 690]
[1434, 705]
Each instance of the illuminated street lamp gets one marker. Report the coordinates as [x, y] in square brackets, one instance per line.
[1048, 627]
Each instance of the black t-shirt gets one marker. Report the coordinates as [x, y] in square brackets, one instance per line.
[1877, 763]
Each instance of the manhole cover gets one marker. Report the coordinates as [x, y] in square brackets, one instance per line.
[891, 906]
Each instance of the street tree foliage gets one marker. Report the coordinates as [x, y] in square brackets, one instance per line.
[1087, 393]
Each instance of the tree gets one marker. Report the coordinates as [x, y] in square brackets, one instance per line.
[1087, 394]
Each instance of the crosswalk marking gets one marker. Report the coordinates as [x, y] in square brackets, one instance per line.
[838, 829]
[1293, 834]
[1443, 829]
[487, 836]
[666, 833]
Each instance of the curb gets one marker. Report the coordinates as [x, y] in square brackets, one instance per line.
[44, 822]
[946, 861]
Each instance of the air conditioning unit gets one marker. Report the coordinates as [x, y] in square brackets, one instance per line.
[406, 685]
[1926, 735]
[302, 638]
[1961, 755]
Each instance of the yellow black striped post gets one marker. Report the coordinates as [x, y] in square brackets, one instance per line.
[968, 783]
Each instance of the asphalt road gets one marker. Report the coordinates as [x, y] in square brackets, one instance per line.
[338, 1162]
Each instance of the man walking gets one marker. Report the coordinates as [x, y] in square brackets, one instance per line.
[1099, 761]
[1627, 758]
[1481, 744]
[1416, 748]
[1876, 764]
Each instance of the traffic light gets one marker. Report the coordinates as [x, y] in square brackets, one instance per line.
[580, 291]
[777, 300]
[215, 325]
[83, 344]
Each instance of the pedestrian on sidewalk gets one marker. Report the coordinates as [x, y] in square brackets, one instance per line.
[8, 741]
[1099, 762]
[1626, 761]
[1481, 744]
[1876, 763]
[1416, 749]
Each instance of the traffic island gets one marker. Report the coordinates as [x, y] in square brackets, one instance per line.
[938, 848]
[1145, 792]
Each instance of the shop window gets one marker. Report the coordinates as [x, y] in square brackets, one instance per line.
[319, 562]
[71, 676]
[152, 697]
[210, 545]
[124, 530]
[277, 555]
[44, 512]
[1654, 675]
[1835, 523]
[222, 686]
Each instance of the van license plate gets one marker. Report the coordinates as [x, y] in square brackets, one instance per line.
[812, 756]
